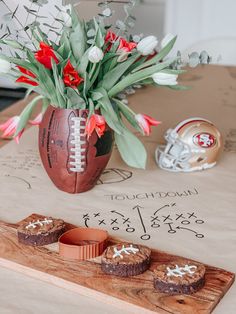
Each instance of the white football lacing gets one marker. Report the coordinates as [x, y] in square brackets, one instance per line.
[78, 140]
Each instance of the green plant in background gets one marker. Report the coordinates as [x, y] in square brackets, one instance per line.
[90, 66]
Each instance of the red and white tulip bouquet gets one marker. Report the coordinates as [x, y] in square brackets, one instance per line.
[89, 66]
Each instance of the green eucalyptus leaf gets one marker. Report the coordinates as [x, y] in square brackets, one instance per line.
[120, 25]
[127, 9]
[90, 41]
[204, 57]
[130, 22]
[194, 59]
[107, 12]
[131, 149]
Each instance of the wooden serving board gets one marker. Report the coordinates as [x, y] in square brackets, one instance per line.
[135, 294]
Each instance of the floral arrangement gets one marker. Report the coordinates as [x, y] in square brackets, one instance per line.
[90, 66]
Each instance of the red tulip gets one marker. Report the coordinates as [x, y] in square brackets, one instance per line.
[45, 56]
[97, 123]
[110, 37]
[71, 76]
[24, 79]
[126, 46]
[9, 128]
[145, 122]
[37, 120]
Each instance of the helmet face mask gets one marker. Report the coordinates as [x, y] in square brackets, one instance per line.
[193, 145]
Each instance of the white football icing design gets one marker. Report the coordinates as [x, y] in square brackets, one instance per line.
[40, 223]
[126, 250]
[181, 271]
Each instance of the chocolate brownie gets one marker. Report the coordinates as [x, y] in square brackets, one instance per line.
[126, 259]
[41, 231]
[180, 277]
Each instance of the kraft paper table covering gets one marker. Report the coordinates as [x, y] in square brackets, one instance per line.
[209, 194]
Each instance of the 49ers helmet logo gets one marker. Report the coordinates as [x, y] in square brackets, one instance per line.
[205, 140]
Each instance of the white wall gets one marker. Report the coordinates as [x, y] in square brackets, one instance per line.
[209, 24]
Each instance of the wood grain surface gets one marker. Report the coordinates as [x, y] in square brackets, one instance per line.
[135, 294]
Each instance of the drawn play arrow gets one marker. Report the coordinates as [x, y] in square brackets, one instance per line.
[198, 235]
[115, 212]
[140, 216]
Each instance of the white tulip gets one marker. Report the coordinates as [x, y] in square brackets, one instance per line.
[5, 66]
[162, 78]
[147, 45]
[95, 54]
[165, 41]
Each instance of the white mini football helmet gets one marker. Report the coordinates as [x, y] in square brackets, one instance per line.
[194, 144]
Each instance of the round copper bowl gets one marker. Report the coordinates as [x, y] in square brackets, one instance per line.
[82, 243]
